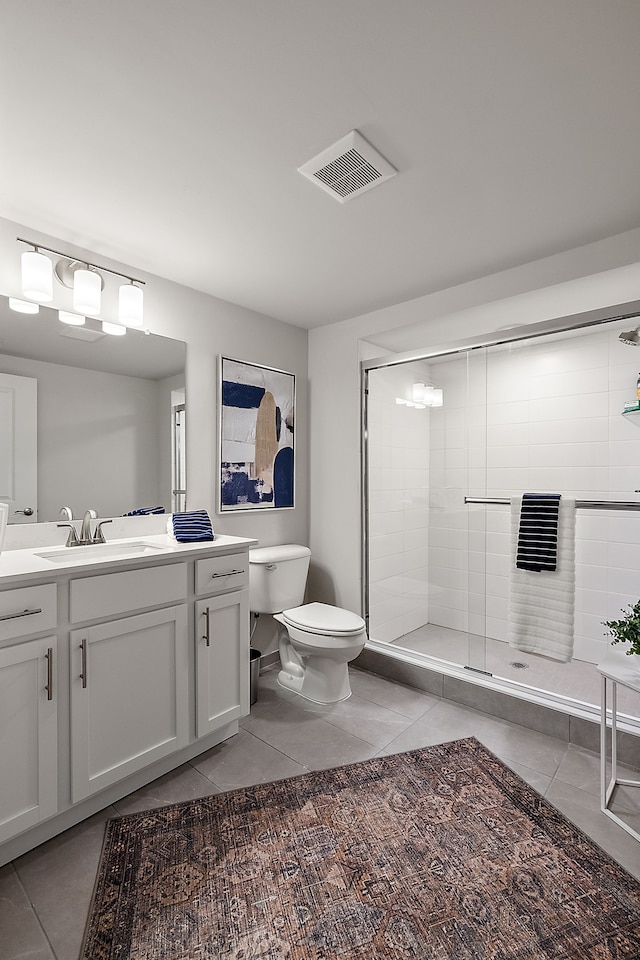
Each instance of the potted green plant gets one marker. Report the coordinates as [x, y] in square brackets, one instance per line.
[627, 629]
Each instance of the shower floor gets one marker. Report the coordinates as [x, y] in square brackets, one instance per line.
[577, 679]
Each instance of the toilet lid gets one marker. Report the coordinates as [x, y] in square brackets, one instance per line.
[325, 619]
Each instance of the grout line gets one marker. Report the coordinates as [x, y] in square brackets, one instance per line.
[54, 955]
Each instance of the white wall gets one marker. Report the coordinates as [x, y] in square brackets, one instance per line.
[209, 327]
[586, 278]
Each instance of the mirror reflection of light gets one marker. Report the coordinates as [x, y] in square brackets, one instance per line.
[73, 318]
[114, 329]
[23, 306]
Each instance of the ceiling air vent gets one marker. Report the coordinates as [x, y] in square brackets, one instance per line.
[348, 168]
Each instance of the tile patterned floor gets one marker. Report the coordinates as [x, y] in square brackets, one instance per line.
[577, 679]
[45, 895]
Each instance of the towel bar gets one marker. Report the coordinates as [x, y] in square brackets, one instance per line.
[580, 504]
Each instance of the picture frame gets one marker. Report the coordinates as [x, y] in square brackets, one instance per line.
[256, 466]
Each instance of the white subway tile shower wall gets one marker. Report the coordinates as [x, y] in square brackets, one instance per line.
[569, 437]
[543, 416]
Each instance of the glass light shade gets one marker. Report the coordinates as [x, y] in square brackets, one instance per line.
[130, 299]
[87, 287]
[73, 318]
[37, 276]
[115, 329]
[23, 306]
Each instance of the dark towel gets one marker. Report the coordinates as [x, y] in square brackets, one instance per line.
[538, 532]
[192, 526]
[143, 511]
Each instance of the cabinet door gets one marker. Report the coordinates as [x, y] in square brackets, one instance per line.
[222, 661]
[28, 735]
[129, 696]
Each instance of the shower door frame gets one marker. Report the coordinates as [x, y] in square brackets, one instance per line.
[580, 321]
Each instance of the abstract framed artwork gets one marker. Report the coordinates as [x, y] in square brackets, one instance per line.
[256, 429]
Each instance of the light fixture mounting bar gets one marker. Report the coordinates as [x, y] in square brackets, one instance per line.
[66, 256]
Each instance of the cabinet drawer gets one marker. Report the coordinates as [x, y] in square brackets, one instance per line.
[27, 610]
[110, 594]
[219, 574]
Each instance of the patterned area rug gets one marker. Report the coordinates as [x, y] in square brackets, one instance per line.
[435, 854]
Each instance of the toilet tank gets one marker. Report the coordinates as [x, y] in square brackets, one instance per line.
[277, 577]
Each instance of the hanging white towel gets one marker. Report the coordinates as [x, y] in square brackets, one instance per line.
[542, 603]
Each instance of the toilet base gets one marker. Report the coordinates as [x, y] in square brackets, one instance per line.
[321, 681]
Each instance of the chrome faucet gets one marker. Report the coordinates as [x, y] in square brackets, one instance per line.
[98, 536]
[72, 537]
[85, 531]
[66, 513]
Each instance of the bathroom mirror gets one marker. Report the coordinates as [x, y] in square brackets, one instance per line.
[109, 415]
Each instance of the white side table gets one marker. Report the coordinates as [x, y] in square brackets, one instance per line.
[616, 668]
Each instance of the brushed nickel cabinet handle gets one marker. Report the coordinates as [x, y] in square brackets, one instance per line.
[83, 675]
[205, 635]
[229, 573]
[23, 613]
[49, 686]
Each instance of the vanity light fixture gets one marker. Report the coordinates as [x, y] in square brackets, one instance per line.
[425, 394]
[37, 275]
[87, 289]
[74, 319]
[86, 281]
[115, 329]
[433, 397]
[130, 300]
[23, 306]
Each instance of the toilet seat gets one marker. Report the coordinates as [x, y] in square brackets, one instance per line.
[324, 619]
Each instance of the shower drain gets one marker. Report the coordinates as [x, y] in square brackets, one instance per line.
[518, 665]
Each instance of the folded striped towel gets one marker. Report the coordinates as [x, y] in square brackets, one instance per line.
[538, 532]
[143, 511]
[191, 526]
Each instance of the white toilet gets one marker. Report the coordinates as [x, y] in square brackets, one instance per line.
[317, 640]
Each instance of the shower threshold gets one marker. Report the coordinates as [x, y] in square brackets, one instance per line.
[555, 714]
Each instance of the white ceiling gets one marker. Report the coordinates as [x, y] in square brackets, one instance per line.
[168, 135]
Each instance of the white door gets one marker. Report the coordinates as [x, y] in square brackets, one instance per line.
[222, 661]
[129, 696]
[18, 447]
[28, 735]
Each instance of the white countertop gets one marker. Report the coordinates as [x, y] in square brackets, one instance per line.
[32, 563]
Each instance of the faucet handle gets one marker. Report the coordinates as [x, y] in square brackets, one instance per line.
[72, 538]
[98, 536]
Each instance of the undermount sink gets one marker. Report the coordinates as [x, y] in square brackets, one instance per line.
[98, 551]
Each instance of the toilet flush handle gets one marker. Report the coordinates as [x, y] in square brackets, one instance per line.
[271, 566]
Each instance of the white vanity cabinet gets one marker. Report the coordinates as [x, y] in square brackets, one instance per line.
[28, 709]
[128, 674]
[222, 642]
[112, 674]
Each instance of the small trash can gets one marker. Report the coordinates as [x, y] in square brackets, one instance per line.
[254, 671]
